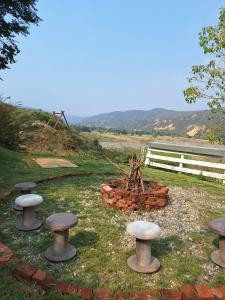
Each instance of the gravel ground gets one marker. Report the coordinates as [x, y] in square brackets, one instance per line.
[181, 216]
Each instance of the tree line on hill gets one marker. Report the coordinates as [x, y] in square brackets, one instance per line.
[121, 131]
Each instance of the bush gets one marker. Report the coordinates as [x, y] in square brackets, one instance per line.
[9, 127]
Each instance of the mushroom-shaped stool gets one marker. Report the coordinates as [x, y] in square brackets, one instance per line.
[29, 203]
[218, 256]
[24, 188]
[60, 224]
[144, 232]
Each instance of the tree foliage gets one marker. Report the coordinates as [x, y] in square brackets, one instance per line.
[16, 16]
[207, 82]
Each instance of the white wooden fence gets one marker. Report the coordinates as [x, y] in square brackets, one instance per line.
[156, 157]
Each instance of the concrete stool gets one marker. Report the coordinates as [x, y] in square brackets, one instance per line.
[61, 250]
[24, 188]
[218, 256]
[143, 261]
[29, 203]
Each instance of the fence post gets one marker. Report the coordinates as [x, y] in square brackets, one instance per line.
[181, 164]
[147, 159]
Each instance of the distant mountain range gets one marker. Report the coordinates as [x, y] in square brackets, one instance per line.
[183, 123]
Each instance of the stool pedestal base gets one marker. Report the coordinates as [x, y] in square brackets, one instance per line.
[151, 268]
[143, 261]
[69, 253]
[61, 250]
[35, 225]
[216, 257]
[27, 221]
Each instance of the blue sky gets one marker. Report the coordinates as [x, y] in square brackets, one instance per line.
[95, 56]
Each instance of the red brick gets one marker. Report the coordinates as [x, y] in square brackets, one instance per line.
[85, 293]
[123, 192]
[120, 295]
[218, 294]
[49, 281]
[102, 294]
[5, 259]
[171, 294]
[25, 270]
[188, 292]
[4, 249]
[66, 288]
[222, 290]
[204, 292]
[39, 277]
[107, 189]
[144, 295]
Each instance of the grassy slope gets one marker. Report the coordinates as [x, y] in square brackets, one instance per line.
[101, 260]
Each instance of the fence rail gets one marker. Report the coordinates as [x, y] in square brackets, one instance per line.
[165, 154]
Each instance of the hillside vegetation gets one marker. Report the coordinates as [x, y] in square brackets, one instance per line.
[156, 121]
[28, 129]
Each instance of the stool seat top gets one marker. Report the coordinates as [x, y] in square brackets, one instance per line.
[218, 226]
[29, 200]
[61, 221]
[25, 186]
[143, 230]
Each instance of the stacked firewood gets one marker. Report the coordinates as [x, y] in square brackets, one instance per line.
[134, 180]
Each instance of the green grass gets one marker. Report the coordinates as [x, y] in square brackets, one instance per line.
[101, 256]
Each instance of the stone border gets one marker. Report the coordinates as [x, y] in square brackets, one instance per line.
[114, 196]
[10, 192]
[30, 273]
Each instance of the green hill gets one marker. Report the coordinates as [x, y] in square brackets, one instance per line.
[28, 129]
[183, 123]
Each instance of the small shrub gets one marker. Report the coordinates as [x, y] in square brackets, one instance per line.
[9, 127]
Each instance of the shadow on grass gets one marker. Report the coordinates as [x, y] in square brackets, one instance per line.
[216, 242]
[164, 246]
[85, 238]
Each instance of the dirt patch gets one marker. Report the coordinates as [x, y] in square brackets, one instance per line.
[54, 163]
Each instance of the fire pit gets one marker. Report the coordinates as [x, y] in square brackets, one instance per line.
[133, 193]
[115, 194]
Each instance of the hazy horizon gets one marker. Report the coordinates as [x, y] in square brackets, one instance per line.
[114, 111]
[89, 58]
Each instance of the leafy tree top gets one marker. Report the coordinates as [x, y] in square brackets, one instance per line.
[207, 82]
[16, 16]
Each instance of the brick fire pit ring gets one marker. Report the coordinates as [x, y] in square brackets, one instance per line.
[114, 194]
